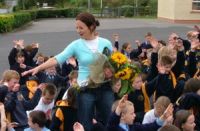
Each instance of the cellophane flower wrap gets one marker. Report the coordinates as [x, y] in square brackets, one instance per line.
[120, 66]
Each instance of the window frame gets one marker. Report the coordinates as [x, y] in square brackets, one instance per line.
[195, 1]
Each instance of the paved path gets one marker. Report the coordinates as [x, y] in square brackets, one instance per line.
[54, 34]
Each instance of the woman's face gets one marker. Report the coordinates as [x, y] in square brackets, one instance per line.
[83, 30]
[189, 124]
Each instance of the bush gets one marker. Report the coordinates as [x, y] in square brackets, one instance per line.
[6, 23]
[127, 11]
[33, 14]
[54, 13]
[11, 21]
[21, 18]
[15, 20]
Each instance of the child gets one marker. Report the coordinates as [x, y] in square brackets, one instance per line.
[46, 102]
[17, 106]
[140, 96]
[167, 85]
[116, 87]
[169, 128]
[146, 44]
[159, 107]
[20, 66]
[70, 65]
[116, 42]
[31, 51]
[37, 121]
[72, 82]
[40, 58]
[126, 49]
[50, 75]
[190, 99]
[66, 112]
[184, 120]
[9, 81]
[123, 118]
[28, 90]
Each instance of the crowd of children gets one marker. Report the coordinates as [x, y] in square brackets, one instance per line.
[165, 95]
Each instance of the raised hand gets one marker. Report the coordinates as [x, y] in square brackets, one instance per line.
[115, 37]
[168, 112]
[197, 28]
[41, 86]
[35, 45]
[154, 43]
[137, 42]
[19, 43]
[78, 127]
[23, 66]
[194, 44]
[179, 45]
[121, 105]
[173, 35]
[72, 61]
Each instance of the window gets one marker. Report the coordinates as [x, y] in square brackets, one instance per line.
[196, 5]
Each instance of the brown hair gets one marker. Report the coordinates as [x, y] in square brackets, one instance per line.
[124, 46]
[163, 101]
[124, 110]
[166, 60]
[40, 55]
[192, 85]
[19, 54]
[89, 20]
[166, 51]
[71, 96]
[38, 117]
[169, 128]
[29, 48]
[190, 35]
[50, 89]
[148, 34]
[10, 74]
[181, 117]
[73, 74]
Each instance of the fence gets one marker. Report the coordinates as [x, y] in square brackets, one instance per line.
[124, 11]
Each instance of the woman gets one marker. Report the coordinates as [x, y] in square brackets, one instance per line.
[84, 49]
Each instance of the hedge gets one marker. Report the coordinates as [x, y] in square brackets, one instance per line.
[8, 22]
[21, 19]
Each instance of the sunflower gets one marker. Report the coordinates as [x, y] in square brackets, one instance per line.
[119, 58]
[124, 74]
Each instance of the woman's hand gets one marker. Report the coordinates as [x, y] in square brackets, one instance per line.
[31, 71]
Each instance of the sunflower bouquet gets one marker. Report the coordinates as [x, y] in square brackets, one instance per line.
[120, 67]
[124, 70]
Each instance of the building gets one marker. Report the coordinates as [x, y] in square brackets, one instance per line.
[10, 4]
[179, 11]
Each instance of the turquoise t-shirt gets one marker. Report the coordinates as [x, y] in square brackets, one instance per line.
[84, 55]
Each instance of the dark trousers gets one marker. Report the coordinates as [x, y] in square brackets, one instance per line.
[95, 99]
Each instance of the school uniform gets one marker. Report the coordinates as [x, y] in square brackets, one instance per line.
[17, 106]
[115, 125]
[64, 117]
